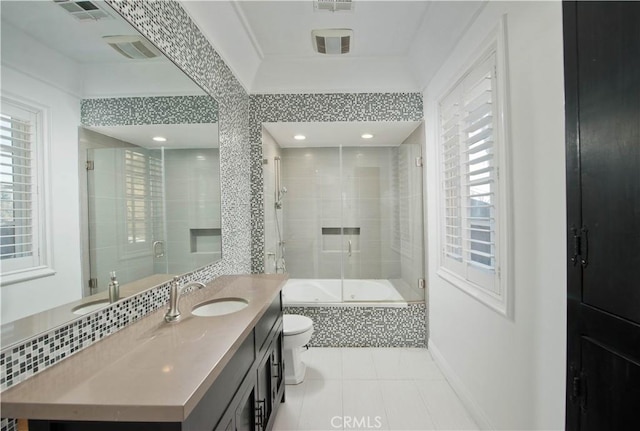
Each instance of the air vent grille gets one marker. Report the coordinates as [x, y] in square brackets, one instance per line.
[333, 5]
[134, 47]
[332, 41]
[83, 10]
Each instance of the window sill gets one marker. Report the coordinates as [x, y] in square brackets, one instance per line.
[497, 303]
[26, 275]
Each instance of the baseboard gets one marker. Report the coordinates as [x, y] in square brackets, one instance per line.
[460, 389]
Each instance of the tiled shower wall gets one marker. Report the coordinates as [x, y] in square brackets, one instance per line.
[330, 188]
[167, 25]
[265, 108]
[192, 201]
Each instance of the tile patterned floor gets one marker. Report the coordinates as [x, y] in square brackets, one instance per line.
[372, 389]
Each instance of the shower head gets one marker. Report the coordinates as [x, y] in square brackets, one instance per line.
[283, 190]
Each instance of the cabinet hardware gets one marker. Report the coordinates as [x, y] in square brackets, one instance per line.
[584, 251]
[576, 245]
[260, 411]
[580, 239]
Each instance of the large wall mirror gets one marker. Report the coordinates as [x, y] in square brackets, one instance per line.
[110, 163]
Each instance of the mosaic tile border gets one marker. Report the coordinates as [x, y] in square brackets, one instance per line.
[265, 108]
[22, 361]
[127, 111]
[353, 326]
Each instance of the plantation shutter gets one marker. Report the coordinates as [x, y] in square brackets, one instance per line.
[450, 138]
[144, 197]
[478, 164]
[469, 175]
[156, 195]
[18, 202]
[136, 196]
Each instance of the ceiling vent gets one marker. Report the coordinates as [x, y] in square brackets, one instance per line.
[84, 10]
[333, 5]
[332, 40]
[135, 47]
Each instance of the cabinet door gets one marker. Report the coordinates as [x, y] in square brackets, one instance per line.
[277, 368]
[246, 417]
[264, 400]
[602, 94]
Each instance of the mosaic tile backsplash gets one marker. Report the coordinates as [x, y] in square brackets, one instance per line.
[354, 326]
[167, 25]
[266, 108]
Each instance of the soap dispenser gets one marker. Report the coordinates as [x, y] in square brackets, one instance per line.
[114, 288]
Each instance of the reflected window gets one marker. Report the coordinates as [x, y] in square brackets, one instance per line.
[143, 198]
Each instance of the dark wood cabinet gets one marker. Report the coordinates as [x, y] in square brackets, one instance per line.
[270, 384]
[602, 104]
[259, 396]
[244, 397]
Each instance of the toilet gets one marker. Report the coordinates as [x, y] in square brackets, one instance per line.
[297, 333]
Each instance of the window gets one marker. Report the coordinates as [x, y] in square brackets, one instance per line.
[22, 251]
[473, 224]
[143, 200]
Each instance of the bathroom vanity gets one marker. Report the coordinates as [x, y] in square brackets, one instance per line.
[200, 373]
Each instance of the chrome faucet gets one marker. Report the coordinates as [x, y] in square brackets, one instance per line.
[173, 313]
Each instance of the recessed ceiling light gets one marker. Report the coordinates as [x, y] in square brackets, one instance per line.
[366, 136]
[160, 139]
[299, 137]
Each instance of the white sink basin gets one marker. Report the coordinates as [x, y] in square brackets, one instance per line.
[89, 307]
[219, 307]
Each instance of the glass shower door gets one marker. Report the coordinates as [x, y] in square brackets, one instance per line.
[382, 235]
[126, 214]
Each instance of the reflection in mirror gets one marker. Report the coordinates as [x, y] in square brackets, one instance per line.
[153, 189]
[83, 96]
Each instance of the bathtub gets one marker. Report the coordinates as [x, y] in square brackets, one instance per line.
[299, 292]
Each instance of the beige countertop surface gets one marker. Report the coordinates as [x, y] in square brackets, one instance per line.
[151, 370]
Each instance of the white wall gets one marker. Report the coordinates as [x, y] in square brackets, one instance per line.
[334, 75]
[511, 372]
[55, 87]
[129, 79]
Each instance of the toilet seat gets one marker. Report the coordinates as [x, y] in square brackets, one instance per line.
[294, 324]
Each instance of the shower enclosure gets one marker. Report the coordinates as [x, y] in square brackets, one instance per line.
[346, 221]
[150, 211]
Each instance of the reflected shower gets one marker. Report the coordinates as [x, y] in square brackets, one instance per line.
[280, 189]
[281, 266]
[280, 196]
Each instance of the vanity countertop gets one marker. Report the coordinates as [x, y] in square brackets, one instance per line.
[151, 370]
